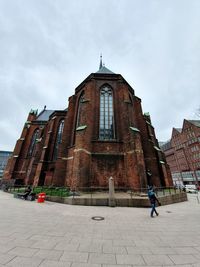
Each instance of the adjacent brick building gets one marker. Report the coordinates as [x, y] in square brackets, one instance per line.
[102, 133]
[182, 153]
[4, 156]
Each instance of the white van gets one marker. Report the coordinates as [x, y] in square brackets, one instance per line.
[190, 188]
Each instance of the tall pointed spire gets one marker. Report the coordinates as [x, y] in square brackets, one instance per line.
[100, 65]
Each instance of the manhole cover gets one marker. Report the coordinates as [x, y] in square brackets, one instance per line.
[98, 218]
[168, 211]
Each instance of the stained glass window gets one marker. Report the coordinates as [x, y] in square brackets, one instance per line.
[33, 142]
[106, 129]
[58, 139]
[80, 109]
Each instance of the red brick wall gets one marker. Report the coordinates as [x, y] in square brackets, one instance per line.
[84, 160]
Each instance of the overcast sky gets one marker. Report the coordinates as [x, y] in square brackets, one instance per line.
[48, 47]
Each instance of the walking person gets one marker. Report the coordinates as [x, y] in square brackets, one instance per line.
[153, 199]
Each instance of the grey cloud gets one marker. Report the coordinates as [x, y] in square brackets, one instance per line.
[48, 47]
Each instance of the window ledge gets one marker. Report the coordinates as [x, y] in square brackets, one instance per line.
[134, 129]
[127, 101]
[82, 127]
[162, 162]
[157, 148]
[148, 123]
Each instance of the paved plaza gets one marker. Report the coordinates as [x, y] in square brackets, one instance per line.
[51, 234]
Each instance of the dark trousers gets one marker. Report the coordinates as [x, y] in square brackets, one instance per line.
[153, 209]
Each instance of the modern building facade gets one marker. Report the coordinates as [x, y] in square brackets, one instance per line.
[182, 153]
[4, 155]
[102, 133]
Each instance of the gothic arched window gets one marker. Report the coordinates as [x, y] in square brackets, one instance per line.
[33, 142]
[80, 110]
[58, 139]
[106, 124]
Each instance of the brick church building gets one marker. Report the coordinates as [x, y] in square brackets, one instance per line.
[102, 133]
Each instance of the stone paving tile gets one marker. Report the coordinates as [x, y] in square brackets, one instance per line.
[185, 250]
[5, 258]
[21, 251]
[138, 251]
[111, 236]
[24, 262]
[95, 248]
[66, 246]
[85, 265]
[6, 247]
[50, 263]
[105, 265]
[44, 244]
[123, 228]
[130, 259]
[163, 251]
[102, 242]
[151, 265]
[74, 257]
[21, 235]
[182, 265]
[4, 234]
[149, 243]
[70, 235]
[177, 243]
[102, 258]
[93, 236]
[51, 238]
[197, 256]
[21, 243]
[114, 250]
[5, 240]
[79, 240]
[183, 259]
[48, 254]
[123, 243]
[56, 233]
[157, 260]
[198, 248]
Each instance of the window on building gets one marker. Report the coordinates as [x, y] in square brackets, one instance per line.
[80, 110]
[106, 124]
[58, 139]
[33, 142]
[130, 99]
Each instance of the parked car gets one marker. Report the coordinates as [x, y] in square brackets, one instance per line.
[190, 188]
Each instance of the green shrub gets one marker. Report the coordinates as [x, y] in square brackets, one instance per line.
[52, 191]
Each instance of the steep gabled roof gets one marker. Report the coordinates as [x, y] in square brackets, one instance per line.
[103, 73]
[44, 115]
[166, 145]
[187, 123]
[195, 122]
[178, 129]
[105, 70]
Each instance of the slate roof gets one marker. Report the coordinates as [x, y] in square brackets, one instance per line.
[44, 115]
[167, 145]
[178, 129]
[195, 122]
[105, 70]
